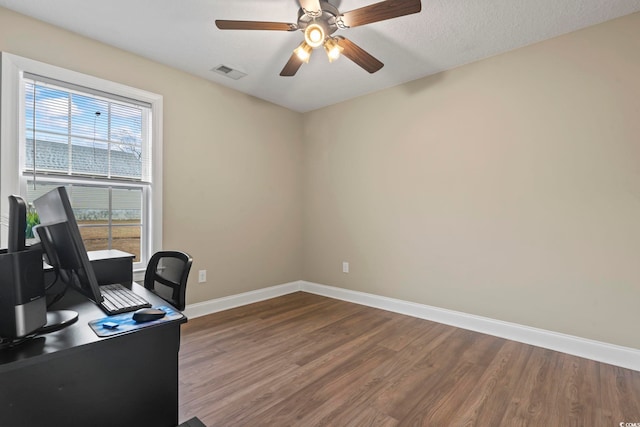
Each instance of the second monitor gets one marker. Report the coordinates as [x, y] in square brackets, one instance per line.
[65, 250]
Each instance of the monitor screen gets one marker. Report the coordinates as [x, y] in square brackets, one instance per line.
[62, 243]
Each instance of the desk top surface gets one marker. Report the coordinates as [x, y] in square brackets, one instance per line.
[108, 254]
[77, 335]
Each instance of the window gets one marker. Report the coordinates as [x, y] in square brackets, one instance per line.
[75, 135]
[100, 139]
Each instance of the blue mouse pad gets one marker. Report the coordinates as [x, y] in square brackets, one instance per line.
[124, 322]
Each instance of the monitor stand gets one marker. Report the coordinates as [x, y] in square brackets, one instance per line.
[58, 319]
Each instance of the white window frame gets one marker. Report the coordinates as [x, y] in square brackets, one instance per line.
[12, 129]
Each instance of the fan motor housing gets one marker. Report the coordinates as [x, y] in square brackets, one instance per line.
[327, 19]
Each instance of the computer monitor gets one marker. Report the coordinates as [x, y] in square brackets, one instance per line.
[17, 224]
[63, 245]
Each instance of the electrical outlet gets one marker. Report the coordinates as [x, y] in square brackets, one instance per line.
[345, 267]
[202, 276]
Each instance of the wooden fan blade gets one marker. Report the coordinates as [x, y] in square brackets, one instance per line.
[381, 11]
[310, 5]
[359, 55]
[255, 25]
[292, 66]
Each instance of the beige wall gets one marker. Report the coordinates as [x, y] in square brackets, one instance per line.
[508, 188]
[232, 193]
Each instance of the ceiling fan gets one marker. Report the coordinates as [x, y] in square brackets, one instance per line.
[319, 19]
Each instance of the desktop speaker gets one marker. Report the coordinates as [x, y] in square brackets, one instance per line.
[23, 306]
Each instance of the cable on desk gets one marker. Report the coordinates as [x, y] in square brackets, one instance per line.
[53, 282]
[60, 294]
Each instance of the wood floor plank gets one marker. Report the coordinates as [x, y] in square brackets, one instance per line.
[488, 399]
[366, 416]
[426, 375]
[337, 333]
[305, 405]
[364, 385]
[619, 384]
[442, 402]
[307, 360]
[529, 395]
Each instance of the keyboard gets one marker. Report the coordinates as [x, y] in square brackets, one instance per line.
[119, 299]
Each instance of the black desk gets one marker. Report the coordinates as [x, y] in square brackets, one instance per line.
[74, 378]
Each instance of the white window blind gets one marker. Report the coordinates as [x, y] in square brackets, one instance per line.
[78, 132]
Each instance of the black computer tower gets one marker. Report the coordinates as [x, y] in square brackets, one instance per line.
[23, 307]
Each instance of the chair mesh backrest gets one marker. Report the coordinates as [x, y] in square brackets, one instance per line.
[167, 275]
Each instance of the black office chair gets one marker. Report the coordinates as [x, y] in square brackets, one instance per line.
[167, 274]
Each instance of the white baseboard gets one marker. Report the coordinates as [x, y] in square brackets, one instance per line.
[233, 301]
[625, 357]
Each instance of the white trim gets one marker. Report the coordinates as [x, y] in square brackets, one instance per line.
[9, 117]
[625, 357]
[155, 216]
[233, 301]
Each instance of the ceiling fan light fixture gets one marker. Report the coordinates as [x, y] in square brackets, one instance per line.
[333, 49]
[303, 51]
[314, 35]
[319, 19]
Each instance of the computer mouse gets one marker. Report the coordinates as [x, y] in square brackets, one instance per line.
[148, 314]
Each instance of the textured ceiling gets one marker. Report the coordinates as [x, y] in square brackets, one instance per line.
[444, 35]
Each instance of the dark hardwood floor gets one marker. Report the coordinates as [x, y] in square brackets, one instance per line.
[307, 360]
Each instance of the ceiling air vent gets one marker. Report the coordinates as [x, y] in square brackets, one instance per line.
[228, 72]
